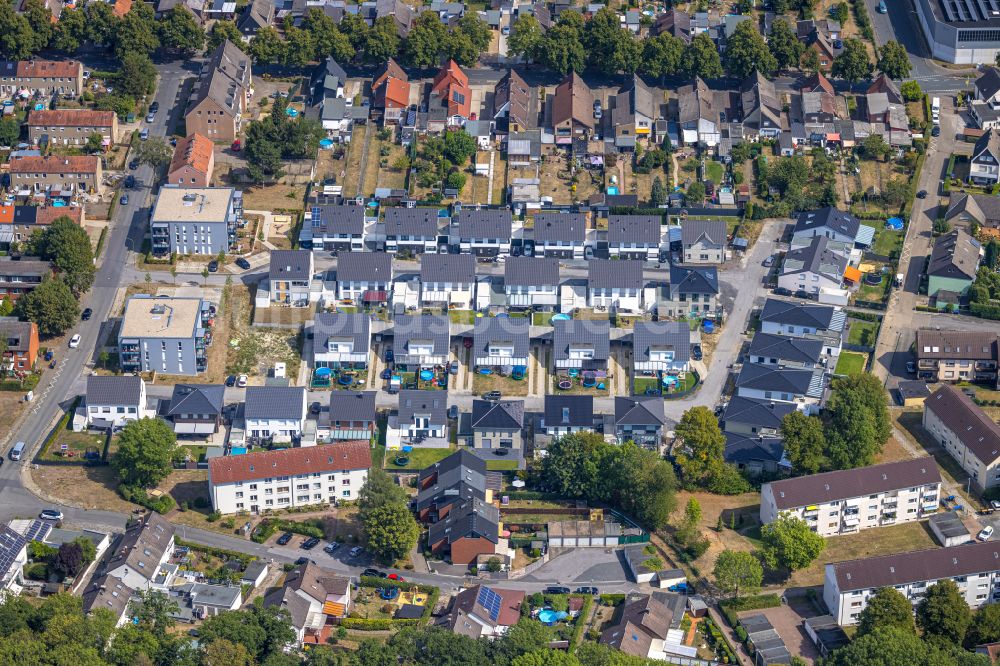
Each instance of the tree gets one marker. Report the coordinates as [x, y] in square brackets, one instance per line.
[6, 306]
[853, 63]
[805, 443]
[40, 20]
[10, 131]
[327, 38]
[122, 105]
[858, 424]
[223, 31]
[695, 195]
[985, 626]
[221, 652]
[789, 544]
[391, 531]
[17, 41]
[893, 60]
[888, 607]
[136, 33]
[68, 560]
[70, 31]
[809, 61]
[455, 181]
[427, 40]
[381, 41]
[843, 13]
[137, 76]
[528, 635]
[67, 246]
[910, 90]
[737, 572]
[51, 305]
[610, 47]
[943, 613]
[379, 490]
[266, 47]
[785, 45]
[701, 58]
[562, 51]
[525, 38]
[299, 48]
[888, 646]
[746, 52]
[661, 56]
[546, 658]
[875, 147]
[235, 627]
[154, 151]
[474, 29]
[101, 22]
[145, 453]
[459, 147]
[179, 31]
[703, 445]
[658, 193]
[95, 143]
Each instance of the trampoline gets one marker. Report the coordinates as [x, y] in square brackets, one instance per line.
[325, 143]
[518, 372]
[565, 385]
[589, 381]
[345, 380]
[873, 279]
[426, 375]
[388, 593]
[549, 617]
[573, 372]
[401, 461]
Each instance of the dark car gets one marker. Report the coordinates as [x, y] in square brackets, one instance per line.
[389, 357]
[555, 589]
[586, 590]
[386, 374]
[310, 543]
[314, 408]
[284, 539]
[304, 560]
[133, 165]
[781, 291]
[213, 266]
[492, 395]
[154, 107]
[696, 352]
[373, 573]
[130, 181]
[936, 130]
[243, 263]
[124, 200]
[231, 380]
[86, 314]
[922, 194]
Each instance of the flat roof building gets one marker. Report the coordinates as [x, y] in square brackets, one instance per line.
[195, 220]
[165, 334]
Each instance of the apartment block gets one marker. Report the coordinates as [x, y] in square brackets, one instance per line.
[967, 433]
[195, 220]
[168, 335]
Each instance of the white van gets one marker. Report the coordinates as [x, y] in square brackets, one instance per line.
[15, 453]
[936, 110]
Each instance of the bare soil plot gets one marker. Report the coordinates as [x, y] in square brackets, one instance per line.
[507, 386]
[274, 197]
[352, 166]
[12, 405]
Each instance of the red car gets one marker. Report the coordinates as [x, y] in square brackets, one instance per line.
[397, 577]
[236, 145]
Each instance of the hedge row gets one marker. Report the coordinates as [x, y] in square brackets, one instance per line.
[718, 642]
[612, 599]
[985, 310]
[221, 553]
[532, 495]
[581, 621]
[161, 505]
[730, 607]
[376, 624]
[405, 586]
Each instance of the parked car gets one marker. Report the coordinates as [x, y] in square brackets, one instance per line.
[453, 367]
[243, 263]
[555, 589]
[124, 200]
[86, 314]
[50, 514]
[838, 44]
[922, 194]
[241, 381]
[882, 9]
[453, 412]
[154, 107]
[586, 590]
[936, 130]
[386, 374]
[769, 261]
[144, 134]
[304, 560]
[331, 547]
[370, 572]
[213, 266]
[995, 504]
[74, 342]
[389, 356]
[310, 543]
[150, 117]
[985, 533]
[314, 408]
[696, 353]
[397, 577]
[357, 550]
[911, 367]
[492, 395]
[236, 146]
[284, 539]
[129, 181]
[505, 30]
[231, 381]
[133, 165]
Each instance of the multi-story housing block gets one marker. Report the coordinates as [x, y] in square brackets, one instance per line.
[195, 220]
[164, 334]
[967, 433]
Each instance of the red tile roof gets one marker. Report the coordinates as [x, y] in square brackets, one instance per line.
[49, 214]
[70, 118]
[452, 84]
[195, 151]
[122, 7]
[49, 68]
[55, 164]
[290, 462]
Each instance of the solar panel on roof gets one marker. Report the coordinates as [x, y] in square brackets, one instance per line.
[489, 600]
[37, 530]
[317, 217]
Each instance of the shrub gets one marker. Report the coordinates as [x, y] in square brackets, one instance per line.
[612, 599]
[214, 516]
[37, 571]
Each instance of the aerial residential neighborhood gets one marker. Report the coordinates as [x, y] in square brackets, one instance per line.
[432, 332]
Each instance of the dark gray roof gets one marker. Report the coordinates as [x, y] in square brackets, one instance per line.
[798, 314]
[786, 348]
[639, 411]
[597, 333]
[816, 257]
[982, 207]
[484, 224]
[17, 334]
[470, 519]
[614, 274]
[759, 413]
[337, 219]
[641, 229]
[109, 593]
[434, 403]
[780, 380]
[970, 424]
[569, 410]
[364, 267]
[955, 255]
[913, 388]
[988, 84]
[915, 566]
[462, 475]
[420, 327]
[676, 334]
[711, 232]
[560, 227]
[197, 399]
[114, 390]
[531, 272]
[831, 218]
[341, 325]
[501, 329]
[418, 222]
[352, 406]
[452, 268]
[142, 546]
[290, 265]
[743, 449]
[694, 279]
[275, 402]
[498, 414]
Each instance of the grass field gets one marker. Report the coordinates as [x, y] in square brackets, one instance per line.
[71, 446]
[419, 458]
[714, 171]
[850, 363]
[886, 242]
[501, 465]
[862, 332]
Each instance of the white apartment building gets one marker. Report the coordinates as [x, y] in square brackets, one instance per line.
[856, 499]
[969, 435]
[287, 478]
[974, 567]
[111, 402]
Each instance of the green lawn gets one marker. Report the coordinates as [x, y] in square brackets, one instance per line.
[542, 318]
[862, 332]
[419, 458]
[887, 241]
[643, 383]
[714, 171]
[850, 363]
[71, 446]
[501, 465]
[462, 316]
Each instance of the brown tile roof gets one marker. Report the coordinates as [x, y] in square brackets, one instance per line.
[70, 118]
[194, 151]
[818, 83]
[916, 566]
[969, 423]
[573, 101]
[49, 214]
[49, 68]
[513, 89]
[290, 462]
[316, 582]
[641, 621]
[844, 484]
[55, 164]
[510, 605]
[933, 344]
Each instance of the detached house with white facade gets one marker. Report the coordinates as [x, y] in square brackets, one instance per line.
[364, 277]
[532, 283]
[801, 386]
[562, 235]
[421, 414]
[341, 341]
[411, 230]
[483, 233]
[565, 414]
[635, 236]
[805, 320]
[287, 478]
[829, 222]
[703, 241]
[111, 402]
[289, 279]
[813, 268]
[276, 413]
[615, 284]
[693, 292]
[856, 499]
[984, 167]
[333, 228]
[420, 341]
[313, 598]
[501, 343]
[448, 281]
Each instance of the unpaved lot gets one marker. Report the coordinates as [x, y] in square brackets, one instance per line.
[254, 350]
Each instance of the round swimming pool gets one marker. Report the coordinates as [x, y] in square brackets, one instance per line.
[549, 616]
[426, 375]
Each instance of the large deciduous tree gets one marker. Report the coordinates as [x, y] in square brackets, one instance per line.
[893, 60]
[858, 421]
[222, 31]
[737, 572]
[136, 33]
[154, 151]
[853, 63]
[785, 45]
[805, 443]
[561, 49]
[611, 48]
[943, 614]
[789, 544]
[888, 607]
[702, 445]
[525, 38]
[145, 453]
[392, 532]
[51, 305]
[701, 58]
[661, 56]
[746, 52]
[179, 31]
[426, 42]
[17, 41]
[67, 246]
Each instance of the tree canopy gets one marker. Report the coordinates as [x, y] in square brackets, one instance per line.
[51, 305]
[943, 615]
[737, 572]
[888, 607]
[701, 58]
[66, 244]
[789, 544]
[893, 60]
[145, 453]
[858, 421]
[853, 62]
[785, 45]
[747, 52]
